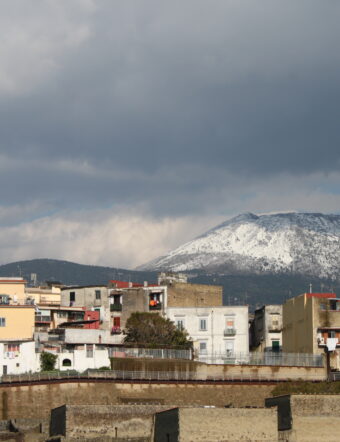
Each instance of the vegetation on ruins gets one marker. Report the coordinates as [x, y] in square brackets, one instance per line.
[306, 387]
[47, 361]
[154, 331]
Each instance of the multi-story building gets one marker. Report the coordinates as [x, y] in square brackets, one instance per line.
[311, 324]
[13, 288]
[219, 333]
[128, 297]
[93, 297]
[17, 349]
[266, 329]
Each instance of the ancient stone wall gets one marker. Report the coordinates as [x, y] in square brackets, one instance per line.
[36, 401]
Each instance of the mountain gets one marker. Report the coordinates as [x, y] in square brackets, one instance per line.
[70, 273]
[293, 243]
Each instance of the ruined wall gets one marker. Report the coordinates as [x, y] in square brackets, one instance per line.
[85, 421]
[36, 401]
[194, 295]
[315, 418]
[228, 424]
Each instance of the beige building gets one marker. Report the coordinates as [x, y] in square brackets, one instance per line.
[13, 288]
[16, 322]
[311, 323]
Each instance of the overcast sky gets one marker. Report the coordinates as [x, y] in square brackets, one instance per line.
[129, 127]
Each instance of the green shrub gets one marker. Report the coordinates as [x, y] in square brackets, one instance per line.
[47, 361]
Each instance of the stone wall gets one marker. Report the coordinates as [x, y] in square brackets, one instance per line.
[36, 401]
[194, 295]
[212, 371]
[86, 421]
[308, 418]
[216, 424]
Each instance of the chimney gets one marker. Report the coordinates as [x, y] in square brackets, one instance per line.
[145, 283]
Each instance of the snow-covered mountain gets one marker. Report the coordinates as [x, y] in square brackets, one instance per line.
[304, 243]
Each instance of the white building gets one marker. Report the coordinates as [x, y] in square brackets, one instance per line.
[89, 357]
[219, 333]
[18, 357]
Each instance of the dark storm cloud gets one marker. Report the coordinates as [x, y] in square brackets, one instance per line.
[165, 103]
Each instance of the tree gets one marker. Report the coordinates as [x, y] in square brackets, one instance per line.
[47, 361]
[153, 330]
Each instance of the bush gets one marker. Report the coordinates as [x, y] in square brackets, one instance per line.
[153, 330]
[47, 361]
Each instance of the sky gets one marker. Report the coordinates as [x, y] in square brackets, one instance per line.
[130, 127]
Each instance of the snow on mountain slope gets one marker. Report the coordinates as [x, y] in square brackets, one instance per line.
[305, 243]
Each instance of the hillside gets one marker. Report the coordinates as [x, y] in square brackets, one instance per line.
[71, 273]
[254, 290]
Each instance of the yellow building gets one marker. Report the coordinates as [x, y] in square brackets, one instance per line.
[16, 322]
[311, 322]
[14, 287]
[43, 296]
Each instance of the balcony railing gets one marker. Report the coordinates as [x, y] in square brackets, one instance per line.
[115, 307]
[275, 328]
[116, 331]
[229, 332]
[155, 306]
[43, 318]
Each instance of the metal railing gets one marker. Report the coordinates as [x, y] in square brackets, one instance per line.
[229, 332]
[151, 353]
[165, 376]
[265, 358]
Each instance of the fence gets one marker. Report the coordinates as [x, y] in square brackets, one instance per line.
[153, 353]
[162, 376]
[266, 358]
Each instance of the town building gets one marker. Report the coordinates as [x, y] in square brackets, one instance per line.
[128, 297]
[12, 289]
[17, 348]
[311, 324]
[92, 297]
[220, 334]
[266, 329]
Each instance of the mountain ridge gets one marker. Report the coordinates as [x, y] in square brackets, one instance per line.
[289, 242]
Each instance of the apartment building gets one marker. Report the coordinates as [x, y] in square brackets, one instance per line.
[266, 329]
[17, 349]
[311, 324]
[12, 289]
[91, 297]
[128, 297]
[219, 333]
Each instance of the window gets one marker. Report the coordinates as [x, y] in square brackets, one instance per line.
[229, 323]
[67, 363]
[180, 324]
[2, 322]
[116, 321]
[276, 346]
[89, 350]
[332, 334]
[203, 347]
[72, 296]
[202, 324]
[229, 348]
[98, 294]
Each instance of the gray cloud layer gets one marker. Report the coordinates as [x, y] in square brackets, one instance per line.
[178, 107]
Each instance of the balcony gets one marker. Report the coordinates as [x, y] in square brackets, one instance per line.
[157, 306]
[116, 331]
[275, 329]
[115, 307]
[43, 319]
[229, 332]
